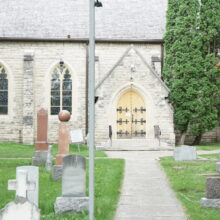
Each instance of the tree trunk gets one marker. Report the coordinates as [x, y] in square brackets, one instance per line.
[182, 138]
[197, 140]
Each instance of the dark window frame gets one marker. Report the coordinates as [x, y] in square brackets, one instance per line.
[60, 90]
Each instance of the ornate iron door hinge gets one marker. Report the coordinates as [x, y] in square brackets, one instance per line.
[142, 109]
[121, 133]
[142, 121]
[120, 109]
[120, 121]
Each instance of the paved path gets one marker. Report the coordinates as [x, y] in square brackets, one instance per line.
[145, 193]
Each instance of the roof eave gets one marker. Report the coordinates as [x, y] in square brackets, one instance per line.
[83, 40]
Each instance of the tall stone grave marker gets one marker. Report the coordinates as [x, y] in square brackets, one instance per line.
[63, 143]
[41, 144]
[32, 176]
[185, 153]
[212, 199]
[21, 208]
[73, 197]
[49, 162]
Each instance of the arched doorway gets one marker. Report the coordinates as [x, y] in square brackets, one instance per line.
[131, 116]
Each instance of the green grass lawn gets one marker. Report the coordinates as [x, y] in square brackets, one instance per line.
[208, 146]
[211, 156]
[108, 178]
[15, 150]
[187, 180]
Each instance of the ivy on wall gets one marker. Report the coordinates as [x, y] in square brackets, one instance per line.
[191, 43]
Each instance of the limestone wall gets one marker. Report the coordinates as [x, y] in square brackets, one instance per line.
[45, 57]
[29, 66]
[131, 73]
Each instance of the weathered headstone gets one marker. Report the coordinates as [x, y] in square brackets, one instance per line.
[73, 186]
[74, 176]
[212, 199]
[77, 137]
[32, 176]
[41, 144]
[157, 133]
[185, 153]
[49, 162]
[21, 184]
[21, 208]
[213, 188]
[63, 143]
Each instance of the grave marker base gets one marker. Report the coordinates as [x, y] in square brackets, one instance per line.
[57, 172]
[210, 203]
[71, 204]
[39, 158]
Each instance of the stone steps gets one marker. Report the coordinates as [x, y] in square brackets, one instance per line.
[133, 145]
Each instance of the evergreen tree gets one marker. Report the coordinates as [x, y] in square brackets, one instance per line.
[189, 64]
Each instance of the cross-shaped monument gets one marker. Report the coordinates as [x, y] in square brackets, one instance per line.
[21, 184]
[21, 207]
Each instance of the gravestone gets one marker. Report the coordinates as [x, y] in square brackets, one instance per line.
[21, 184]
[77, 137]
[41, 144]
[212, 199]
[73, 197]
[185, 153]
[63, 143]
[157, 132]
[21, 208]
[32, 176]
[218, 167]
[49, 162]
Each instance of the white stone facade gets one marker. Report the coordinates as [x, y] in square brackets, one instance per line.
[45, 57]
[29, 66]
[136, 65]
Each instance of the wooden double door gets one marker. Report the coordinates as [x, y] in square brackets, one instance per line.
[131, 116]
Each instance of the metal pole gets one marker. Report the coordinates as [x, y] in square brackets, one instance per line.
[91, 106]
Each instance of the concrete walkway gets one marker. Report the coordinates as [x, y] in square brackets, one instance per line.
[145, 193]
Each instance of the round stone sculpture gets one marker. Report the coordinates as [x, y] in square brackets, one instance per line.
[64, 115]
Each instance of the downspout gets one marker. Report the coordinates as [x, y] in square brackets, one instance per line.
[86, 90]
[162, 59]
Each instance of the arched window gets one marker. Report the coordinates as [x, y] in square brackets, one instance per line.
[3, 91]
[61, 90]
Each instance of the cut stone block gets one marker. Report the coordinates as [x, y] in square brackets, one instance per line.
[213, 188]
[71, 204]
[210, 203]
[185, 153]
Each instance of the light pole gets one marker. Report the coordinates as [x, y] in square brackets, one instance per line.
[91, 105]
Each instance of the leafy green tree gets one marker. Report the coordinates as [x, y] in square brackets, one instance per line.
[189, 69]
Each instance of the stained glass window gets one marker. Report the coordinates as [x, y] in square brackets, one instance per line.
[3, 91]
[61, 90]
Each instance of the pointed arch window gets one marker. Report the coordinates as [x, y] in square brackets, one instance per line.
[61, 90]
[3, 91]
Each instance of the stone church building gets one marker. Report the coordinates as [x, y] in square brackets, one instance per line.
[44, 63]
